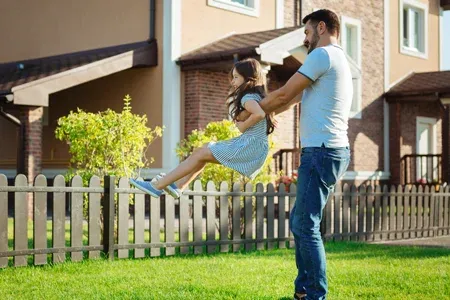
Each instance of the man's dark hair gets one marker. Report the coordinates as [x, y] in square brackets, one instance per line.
[330, 19]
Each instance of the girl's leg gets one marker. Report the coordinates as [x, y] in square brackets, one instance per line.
[186, 180]
[188, 168]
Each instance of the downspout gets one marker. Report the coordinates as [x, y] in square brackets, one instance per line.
[299, 13]
[20, 167]
[152, 20]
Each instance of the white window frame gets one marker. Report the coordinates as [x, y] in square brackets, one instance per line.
[252, 9]
[423, 30]
[355, 114]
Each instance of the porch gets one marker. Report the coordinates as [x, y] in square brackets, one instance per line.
[419, 129]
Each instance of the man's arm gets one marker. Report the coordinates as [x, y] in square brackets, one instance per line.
[283, 96]
[287, 106]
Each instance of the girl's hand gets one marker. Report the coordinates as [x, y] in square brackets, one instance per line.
[240, 126]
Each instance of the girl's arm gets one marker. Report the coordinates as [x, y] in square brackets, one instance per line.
[256, 115]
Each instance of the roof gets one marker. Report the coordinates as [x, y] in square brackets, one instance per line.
[20, 72]
[418, 84]
[241, 44]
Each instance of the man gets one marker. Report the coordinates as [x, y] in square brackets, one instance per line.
[326, 82]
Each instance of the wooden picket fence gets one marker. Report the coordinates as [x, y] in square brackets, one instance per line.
[202, 221]
[383, 213]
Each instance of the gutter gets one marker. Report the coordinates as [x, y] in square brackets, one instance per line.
[152, 20]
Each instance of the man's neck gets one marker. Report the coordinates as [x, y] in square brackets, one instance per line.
[327, 40]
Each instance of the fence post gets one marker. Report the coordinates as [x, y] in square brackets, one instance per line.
[108, 217]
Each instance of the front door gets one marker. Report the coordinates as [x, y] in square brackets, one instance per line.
[426, 166]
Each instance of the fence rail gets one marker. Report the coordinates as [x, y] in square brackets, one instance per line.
[111, 219]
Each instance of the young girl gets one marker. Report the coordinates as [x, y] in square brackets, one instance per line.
[246, 153]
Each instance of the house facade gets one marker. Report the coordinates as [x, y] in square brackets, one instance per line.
[173, 58]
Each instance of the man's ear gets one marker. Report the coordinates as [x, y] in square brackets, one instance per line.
[321, 27]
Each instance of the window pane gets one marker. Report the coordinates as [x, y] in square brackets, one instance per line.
[243, 2]
[416, 32]
[405, 27]
[350, 42]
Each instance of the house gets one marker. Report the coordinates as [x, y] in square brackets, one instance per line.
[173, 58]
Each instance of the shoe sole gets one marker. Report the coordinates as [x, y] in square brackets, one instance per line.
[172, 192]
[139, 187]
[168, 189]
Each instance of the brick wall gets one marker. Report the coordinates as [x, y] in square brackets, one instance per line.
[365, 134]
[292, 13]
[205, 96]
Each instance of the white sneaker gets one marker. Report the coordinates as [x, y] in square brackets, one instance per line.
[171, 189]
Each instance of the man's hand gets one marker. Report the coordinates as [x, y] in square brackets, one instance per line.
[243, 115]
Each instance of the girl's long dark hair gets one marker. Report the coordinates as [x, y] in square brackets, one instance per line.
[254, 82]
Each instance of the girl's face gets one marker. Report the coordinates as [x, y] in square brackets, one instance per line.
[237, 80]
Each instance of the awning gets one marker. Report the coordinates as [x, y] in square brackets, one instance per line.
[426, 86]
[31, 82]
[272, 46]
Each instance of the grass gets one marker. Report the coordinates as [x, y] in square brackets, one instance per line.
[355, 271]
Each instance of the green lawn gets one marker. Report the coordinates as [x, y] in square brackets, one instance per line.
[355, 271]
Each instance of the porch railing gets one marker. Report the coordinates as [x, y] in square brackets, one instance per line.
[422, 168]
[286, 160]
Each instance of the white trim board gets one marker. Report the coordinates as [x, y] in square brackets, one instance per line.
[366, 175]
[171, 110]
[229, 5]
[279, 14]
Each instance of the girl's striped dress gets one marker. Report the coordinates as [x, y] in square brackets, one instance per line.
[246, 153]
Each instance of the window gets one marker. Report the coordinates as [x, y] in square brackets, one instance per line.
[413, 28]
[246, 7]
[351, 43]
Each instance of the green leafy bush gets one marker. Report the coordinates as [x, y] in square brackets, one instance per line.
[106, 143]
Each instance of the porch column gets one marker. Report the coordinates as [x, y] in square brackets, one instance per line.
[395, 143]
[31, 119]
[446, 144]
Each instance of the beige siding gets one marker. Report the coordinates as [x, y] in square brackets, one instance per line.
[203, 24]
[144, 85]
[32, 29]
[402, 64]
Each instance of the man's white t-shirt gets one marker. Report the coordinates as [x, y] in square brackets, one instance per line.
[326, 103]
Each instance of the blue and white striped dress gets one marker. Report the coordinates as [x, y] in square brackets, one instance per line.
[246, 153]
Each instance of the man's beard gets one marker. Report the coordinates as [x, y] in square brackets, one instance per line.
[313, 44]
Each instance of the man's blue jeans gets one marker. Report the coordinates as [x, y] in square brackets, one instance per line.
[319, 170]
